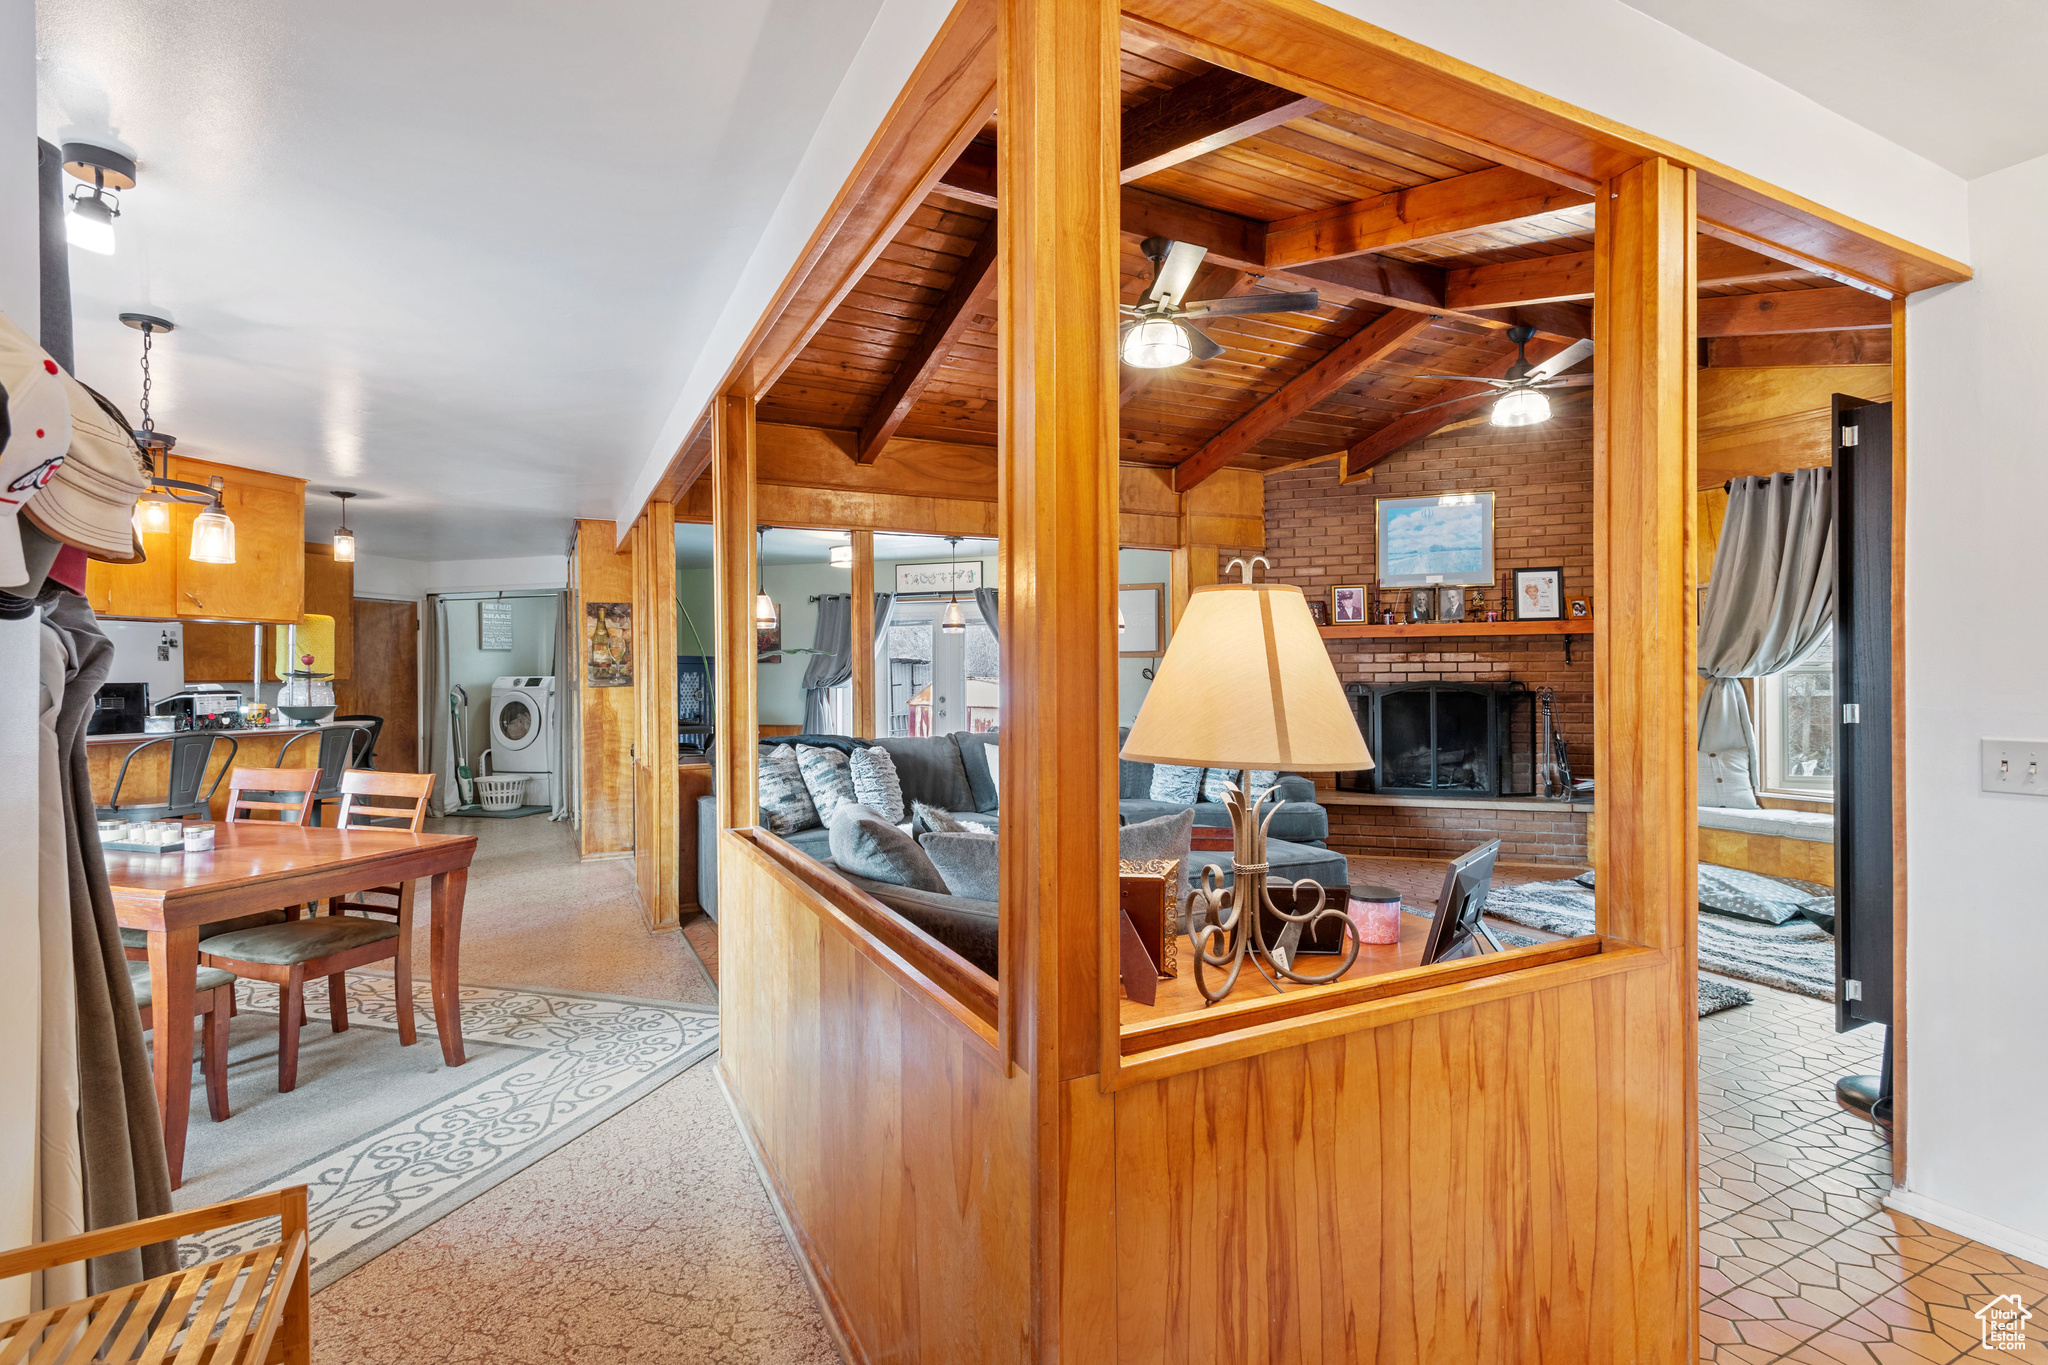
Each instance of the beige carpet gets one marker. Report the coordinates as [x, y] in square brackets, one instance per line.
[648, 1238]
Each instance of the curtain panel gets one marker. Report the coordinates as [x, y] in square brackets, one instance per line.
[1769, 603]
[832, 664]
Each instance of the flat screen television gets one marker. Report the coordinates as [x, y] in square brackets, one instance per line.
[1456, 931]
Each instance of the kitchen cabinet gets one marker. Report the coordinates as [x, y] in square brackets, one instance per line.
[267, 581]
[217, 652]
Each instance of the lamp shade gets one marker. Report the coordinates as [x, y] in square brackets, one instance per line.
[1247, 683]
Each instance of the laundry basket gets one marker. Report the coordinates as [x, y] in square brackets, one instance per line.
[500, 793]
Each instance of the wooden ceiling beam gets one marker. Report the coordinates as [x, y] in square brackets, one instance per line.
[1358, 352]
[1406, 430]
[1421, 213]
[1213, 110]
[1836, 308]
[1869, 347]
[1569, 276]
[974, 285]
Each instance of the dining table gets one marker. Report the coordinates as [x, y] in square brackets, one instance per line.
[256, 866]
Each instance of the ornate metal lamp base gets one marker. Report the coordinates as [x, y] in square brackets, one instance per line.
[1225, 922]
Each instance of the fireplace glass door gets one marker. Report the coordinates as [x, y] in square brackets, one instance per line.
[1436, 740]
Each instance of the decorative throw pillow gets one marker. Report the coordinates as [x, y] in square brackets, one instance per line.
[1752, 896]
[1214, 779]
[967, 862]
[1725, 779]
[868, 846]
[785, 802]
[1182, 786]
[827, 779]
[926, 819]
[875, 784]
[1164, 836]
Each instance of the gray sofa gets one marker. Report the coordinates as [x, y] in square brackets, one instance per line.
[952, 773]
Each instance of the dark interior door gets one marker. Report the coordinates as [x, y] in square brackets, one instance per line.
[1863, 718]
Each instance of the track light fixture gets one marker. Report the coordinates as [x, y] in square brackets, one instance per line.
[95, 204]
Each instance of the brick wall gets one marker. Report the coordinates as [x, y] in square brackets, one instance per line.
[1544, 833]
[1319, 534]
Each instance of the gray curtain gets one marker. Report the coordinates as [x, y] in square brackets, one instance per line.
[1770, 601]
[833, 663]
[565, 707]
[446, 797]
[985, 598]
[885, 605]
[120, 1134]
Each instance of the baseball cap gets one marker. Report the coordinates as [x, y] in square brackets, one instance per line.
[35, 435]
[90, 501]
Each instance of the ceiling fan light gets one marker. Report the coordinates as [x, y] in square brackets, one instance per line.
[213, 537]
[90, 224]
[1156, 343]
[841, 556]
[1522, 408]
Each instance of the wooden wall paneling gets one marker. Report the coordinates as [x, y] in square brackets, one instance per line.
[864, 633]
[693, 780]
[1897, 1033]
[608, 716]
[1057, 171]
[1194, 566]
[386, 679]
[657, 803]
[736, 714]
[149, 776]
[1767, 419]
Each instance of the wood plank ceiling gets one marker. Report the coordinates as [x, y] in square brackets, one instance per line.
[1423, 255]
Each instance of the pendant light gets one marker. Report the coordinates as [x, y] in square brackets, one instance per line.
[953, 623]
[213, 533]
[344, 539]
[95, 204]
[764, 605]
[841, 556]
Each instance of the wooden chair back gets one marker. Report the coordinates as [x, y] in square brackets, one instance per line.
[284, 790]
[410, 788]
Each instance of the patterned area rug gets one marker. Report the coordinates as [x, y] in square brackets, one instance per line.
[387, 1138]
[1797, 956]
[1715, 996]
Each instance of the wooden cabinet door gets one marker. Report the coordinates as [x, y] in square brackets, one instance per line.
[148, 588]
[331, 591]
[267, 581]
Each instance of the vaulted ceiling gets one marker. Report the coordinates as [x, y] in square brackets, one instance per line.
[1423, 255]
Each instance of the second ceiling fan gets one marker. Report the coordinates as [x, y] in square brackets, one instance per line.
[1157, 331]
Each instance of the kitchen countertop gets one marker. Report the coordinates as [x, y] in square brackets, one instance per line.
[251, 732]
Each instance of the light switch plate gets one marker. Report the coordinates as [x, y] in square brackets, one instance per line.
[2019, 766]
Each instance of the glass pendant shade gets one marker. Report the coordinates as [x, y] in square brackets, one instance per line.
[344, 546]
[1155, 344]
[764, 610]
[953, 623]
[152, 516]
[90, 225]
[841, 556]
[1119, 620]
[213, 537]
[1521, 409]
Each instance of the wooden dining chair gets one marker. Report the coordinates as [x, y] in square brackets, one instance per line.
[286, 954]
[409, 793]
[213, 995]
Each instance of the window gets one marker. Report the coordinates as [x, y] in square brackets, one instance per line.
[1796, 725]
[930, 682]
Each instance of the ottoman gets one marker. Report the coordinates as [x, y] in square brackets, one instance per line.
[1289, 864]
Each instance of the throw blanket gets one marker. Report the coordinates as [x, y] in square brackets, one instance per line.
[1796, 956]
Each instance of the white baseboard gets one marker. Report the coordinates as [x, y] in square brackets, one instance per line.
[2009, 1240]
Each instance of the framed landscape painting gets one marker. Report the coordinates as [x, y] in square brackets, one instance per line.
[1442, 539]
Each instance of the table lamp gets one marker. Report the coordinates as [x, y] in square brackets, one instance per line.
[1247, 684]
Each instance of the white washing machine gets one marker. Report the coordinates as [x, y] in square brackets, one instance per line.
[523, 734]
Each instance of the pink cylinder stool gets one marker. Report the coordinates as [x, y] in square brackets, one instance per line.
[1376, 910]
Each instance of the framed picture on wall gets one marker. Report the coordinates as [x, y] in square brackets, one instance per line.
[608, 644]
[944, 576]
[1348, 604]
[1539, 594]
[1141, 611]
[1443, 539]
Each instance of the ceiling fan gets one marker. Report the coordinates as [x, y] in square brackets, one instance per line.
[1520, 400]
[1157, 331]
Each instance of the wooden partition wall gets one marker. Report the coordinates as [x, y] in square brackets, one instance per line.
[1476, 1167]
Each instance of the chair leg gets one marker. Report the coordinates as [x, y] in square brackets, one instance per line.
[337, 1001]
[401, 966]
[213, 1053]
[291, 1011]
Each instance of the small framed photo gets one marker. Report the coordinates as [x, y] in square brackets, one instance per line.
[1539, 594]
[1319, 611]
[1140, 610]
[1450, 602]
[1581, 608]
[1421, 606]
[1347, 606]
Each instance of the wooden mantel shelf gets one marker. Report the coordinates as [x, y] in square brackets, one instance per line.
[1444, 629]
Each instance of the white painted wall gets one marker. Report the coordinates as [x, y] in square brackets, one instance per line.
[1976, 661]
[20, 643]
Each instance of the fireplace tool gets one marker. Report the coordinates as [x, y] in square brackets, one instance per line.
[1557, 768]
